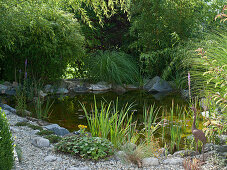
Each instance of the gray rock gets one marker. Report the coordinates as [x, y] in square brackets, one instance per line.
[48, 89]
[3, 88]
[42, 94]
[101, 86]
[13, 129]
[79, 168]
[6, 112]
[7, 107]
[80, 89]
[50, 158]
[184, 153]
[58, 130]
[40, 142]
[223, 139]
[157, 85]
[221, 148]
[150, 162]
[62, 91]
[173, 161]
[11, 92]
[35, 131]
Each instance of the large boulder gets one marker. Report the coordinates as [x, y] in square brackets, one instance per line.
[80, 89]
[58, 130]
[62, 90]
[101, 86]
[157, 85]
[3, 88]
[173, 161]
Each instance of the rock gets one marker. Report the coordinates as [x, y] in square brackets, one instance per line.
[79, 168]
[35, 131]
[80, 89]
[50, 158]
[184, 153]
[7, 107]
[209, 147]
[62, 91]
[221, 148]
[58, 130]
[157, 85]
[42, 94]
[48, 89]
[40, 142]
[163, 151]
[223, 139]
[6, 112]
[3, 88]
[11, 92]
[101, 86]
[150, 162]
[173, 161]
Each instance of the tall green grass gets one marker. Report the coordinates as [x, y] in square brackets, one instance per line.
[110, 122]
[114, 67]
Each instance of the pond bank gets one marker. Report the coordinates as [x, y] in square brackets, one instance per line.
[45, 158]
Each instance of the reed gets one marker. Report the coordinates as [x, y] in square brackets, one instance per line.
[109, 122]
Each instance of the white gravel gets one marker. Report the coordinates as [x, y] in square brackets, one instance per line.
[34, 158]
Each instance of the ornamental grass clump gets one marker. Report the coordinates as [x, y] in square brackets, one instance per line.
[86, 147]
[6, 144]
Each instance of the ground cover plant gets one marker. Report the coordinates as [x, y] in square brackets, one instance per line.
[86, 147]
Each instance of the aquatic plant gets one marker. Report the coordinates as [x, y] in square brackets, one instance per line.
[109, 122]
[41, 111]
[150, 122]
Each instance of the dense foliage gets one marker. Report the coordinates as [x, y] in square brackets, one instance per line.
[6, 144]
[48, 38]
[86, 147]
[114, 67]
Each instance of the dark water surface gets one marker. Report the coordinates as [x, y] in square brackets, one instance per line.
[68, 113]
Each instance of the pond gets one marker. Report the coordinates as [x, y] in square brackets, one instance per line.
[68, 113]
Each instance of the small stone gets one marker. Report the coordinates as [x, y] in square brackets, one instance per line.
[48, 89]
[184, 153]
[50, 158]
[40, 142]
[42, 94]
[150, 162]
[173, 161]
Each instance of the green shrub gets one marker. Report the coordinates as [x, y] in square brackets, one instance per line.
[6, 144]
[53, 138]
[86, 147]
[114, 67]
[40, 32]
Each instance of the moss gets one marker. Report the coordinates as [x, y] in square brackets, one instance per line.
[22, 124]
[53, 138]
[45, 132]
[35, 127]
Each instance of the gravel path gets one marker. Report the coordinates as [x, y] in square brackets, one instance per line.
[35, 158]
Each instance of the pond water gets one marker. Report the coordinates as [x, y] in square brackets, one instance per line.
[68, 113]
